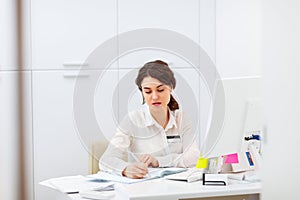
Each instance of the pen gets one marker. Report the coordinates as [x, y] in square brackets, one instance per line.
[134, 157]
[138, 160]
[74, 192]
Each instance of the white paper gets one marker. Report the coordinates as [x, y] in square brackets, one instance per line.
[161, 172]
[191, 175]
[73, 184]
[114, 178]
[153, 173]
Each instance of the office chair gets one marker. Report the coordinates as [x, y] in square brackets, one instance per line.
[97, 148]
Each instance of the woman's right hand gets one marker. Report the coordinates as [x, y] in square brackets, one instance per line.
[136, 170]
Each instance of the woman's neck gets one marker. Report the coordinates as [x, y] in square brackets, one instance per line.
[161, 116]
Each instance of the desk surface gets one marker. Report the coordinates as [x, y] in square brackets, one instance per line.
[168, 189]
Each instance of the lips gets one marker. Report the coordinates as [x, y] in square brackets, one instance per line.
[156, 104]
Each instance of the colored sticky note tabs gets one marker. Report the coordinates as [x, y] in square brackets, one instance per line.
[232, 158]
[202, 163]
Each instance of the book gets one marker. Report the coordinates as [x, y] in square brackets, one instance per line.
[153, 173]
[190, 175]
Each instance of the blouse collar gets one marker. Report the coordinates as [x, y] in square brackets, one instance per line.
[149, 120]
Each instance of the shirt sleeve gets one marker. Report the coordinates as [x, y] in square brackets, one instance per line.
[115, 158]
[190, 151]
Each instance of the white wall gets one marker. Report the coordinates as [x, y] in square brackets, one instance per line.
[281, 71]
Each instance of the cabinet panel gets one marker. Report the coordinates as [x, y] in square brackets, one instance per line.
[7, 37]
[178, 16]
[58, 148]
[138, 58]
[64, 33]
[238, 39]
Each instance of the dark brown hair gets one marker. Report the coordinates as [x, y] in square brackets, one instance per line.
[159, 70]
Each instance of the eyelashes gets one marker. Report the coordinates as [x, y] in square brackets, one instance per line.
[149, 92]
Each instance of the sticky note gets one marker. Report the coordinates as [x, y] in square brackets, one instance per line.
[202, 163]
[232, 158]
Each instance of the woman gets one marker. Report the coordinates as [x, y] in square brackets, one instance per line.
[159, 135]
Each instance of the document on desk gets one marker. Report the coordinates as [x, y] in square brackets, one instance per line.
[190, 175]
[75, 184]
[153, 173]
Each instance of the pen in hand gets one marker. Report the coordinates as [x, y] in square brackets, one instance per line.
[134, 157]
[147, 159]
[137, 169]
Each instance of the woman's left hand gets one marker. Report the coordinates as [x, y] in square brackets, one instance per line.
[149, 160]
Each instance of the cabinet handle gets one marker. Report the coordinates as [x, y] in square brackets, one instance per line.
[75, 64]
[76, 75]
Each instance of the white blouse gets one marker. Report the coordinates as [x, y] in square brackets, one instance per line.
[139, 133]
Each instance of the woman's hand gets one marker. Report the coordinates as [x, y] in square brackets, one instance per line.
[149, 160]
[136, 170]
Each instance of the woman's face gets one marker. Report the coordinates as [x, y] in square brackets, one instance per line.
[156, 94]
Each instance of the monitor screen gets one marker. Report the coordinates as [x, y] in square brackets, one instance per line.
[234, 101]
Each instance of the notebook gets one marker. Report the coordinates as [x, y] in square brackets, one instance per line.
[190, 175]
[153, 173]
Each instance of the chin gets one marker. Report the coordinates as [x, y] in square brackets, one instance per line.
[160, 107]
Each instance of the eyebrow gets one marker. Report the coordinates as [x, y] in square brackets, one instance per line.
[156, 87]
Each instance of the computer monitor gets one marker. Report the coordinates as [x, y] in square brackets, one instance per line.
[240, 107]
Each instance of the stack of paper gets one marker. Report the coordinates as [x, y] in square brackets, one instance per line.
[75, 184]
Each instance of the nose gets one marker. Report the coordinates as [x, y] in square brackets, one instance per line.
[154, 95]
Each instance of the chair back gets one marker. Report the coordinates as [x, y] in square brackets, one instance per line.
[97, 148]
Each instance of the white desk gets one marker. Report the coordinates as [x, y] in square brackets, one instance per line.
[174, 190]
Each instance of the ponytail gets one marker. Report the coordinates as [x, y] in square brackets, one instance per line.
[173, 104]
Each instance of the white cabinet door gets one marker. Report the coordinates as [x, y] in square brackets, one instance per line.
[58, 147]
[71, 109]
[175, 15]
[8, 133]
[238, 37]
[64, 33]
[178, 16]
[6, 35]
